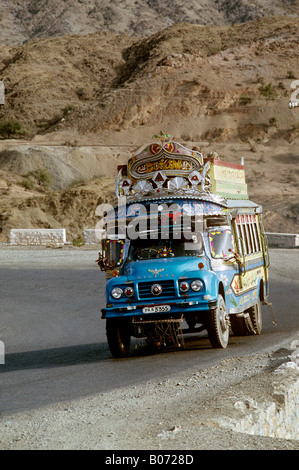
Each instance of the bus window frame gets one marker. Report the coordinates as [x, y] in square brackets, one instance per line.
[249, 234]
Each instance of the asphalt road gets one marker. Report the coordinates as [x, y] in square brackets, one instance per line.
[55, 343]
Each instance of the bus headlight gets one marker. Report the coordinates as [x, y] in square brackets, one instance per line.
[184, 286]
[196, 285]
[117, 292]
[129, 291]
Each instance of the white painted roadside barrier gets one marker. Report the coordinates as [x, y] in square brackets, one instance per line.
[40, 236]
[93, 236]
[283, 240]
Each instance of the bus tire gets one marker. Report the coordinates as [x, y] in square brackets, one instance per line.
[118, 336]
[255, 313]
[218, 325]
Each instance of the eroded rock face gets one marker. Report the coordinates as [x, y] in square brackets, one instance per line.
[25, 20]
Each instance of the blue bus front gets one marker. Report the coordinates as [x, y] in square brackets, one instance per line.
[160, 284]
[153, 283]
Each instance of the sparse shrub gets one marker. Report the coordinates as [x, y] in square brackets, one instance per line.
[273, 121]
[244, 100]
[78, 242]
[11, 127]
[27, 184]
[290, 74]
[294, 208]
[268, 91]
[77, 182]
[42, 176]
[71, 143]
[69, 108]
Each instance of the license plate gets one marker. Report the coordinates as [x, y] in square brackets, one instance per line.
[157, 309]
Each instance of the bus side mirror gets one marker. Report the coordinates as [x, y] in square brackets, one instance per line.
[112, 254]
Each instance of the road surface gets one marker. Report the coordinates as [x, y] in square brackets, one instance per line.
[55, 343]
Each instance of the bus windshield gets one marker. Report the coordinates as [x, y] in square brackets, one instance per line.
[151, 249]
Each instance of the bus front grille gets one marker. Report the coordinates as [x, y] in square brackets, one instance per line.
[144, 288]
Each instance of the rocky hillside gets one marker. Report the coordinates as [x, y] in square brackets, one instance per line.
[106, 81]
[84, 103]
[23, 20]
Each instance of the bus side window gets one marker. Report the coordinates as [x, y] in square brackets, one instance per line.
[239, 237]
[248, 237]
[256, 234]
[244, 234]
[251, 235]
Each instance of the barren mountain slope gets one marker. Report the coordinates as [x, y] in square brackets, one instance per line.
[108, 81]
[224, 88]
[23, 20]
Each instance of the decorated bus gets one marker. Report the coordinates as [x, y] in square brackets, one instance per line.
[184, 250]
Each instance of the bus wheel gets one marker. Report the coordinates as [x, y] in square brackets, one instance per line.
[218, 325]
[118, 336]
[255, 313]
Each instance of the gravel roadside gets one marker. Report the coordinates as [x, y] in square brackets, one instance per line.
[186, 412]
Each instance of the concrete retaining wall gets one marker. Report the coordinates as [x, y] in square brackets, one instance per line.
[278, 418]
[37, 236]
[283, 240]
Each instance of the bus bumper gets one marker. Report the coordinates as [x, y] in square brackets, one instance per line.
[176, 309]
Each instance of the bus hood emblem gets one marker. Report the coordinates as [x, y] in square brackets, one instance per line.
[156, 271]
